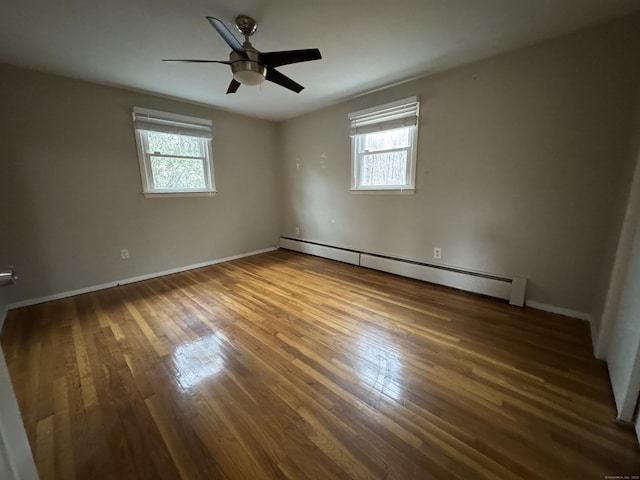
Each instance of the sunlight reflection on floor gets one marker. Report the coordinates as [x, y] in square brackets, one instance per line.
[379, 368]
[199, 360]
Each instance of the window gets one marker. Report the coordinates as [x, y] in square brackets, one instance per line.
[384, 141]
[174, 153]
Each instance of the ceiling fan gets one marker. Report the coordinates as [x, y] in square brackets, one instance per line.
[248, 65]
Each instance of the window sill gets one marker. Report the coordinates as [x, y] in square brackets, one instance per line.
[178, 194]
[383, 191]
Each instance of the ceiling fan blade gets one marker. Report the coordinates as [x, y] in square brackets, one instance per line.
[233, 86]
[227, 36]
[276, 77]
[187, 60]
[276, 59]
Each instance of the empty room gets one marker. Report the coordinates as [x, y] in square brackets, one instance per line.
[320, 240]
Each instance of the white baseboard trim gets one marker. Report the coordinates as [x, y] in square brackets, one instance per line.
[560, 310]
[93, 288]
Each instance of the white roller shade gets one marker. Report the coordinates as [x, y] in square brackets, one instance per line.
[156, 121]
[403, 113]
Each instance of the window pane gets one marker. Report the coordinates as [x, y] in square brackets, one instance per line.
[177, 173]
[387, 140]
[384, 169]
[170, 144]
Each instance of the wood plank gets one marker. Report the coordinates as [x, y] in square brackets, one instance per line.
[63, 455]
[286, 366]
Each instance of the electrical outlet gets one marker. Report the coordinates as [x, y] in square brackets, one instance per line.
[124, 254]
[437, 252]
[297, 230]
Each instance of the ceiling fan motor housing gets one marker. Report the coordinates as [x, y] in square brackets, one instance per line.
[248, 70]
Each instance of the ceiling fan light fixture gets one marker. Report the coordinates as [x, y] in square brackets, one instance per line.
[248, 71]
[249, 77]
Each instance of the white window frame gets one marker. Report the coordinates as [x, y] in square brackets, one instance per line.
[146, 120]
[403, 113]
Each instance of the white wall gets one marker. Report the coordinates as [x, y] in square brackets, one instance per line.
[524, 163]
[623, 354]
[16, 461]
[71, 192]
[3, 305]
[618, 341]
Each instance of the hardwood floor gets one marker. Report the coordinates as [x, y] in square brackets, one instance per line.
[289, 366]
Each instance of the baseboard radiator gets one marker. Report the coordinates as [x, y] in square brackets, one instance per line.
[506, 288]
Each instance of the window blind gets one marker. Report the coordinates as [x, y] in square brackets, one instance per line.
[403, 113]
[156, 121]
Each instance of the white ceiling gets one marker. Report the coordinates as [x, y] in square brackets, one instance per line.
[365, 44]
